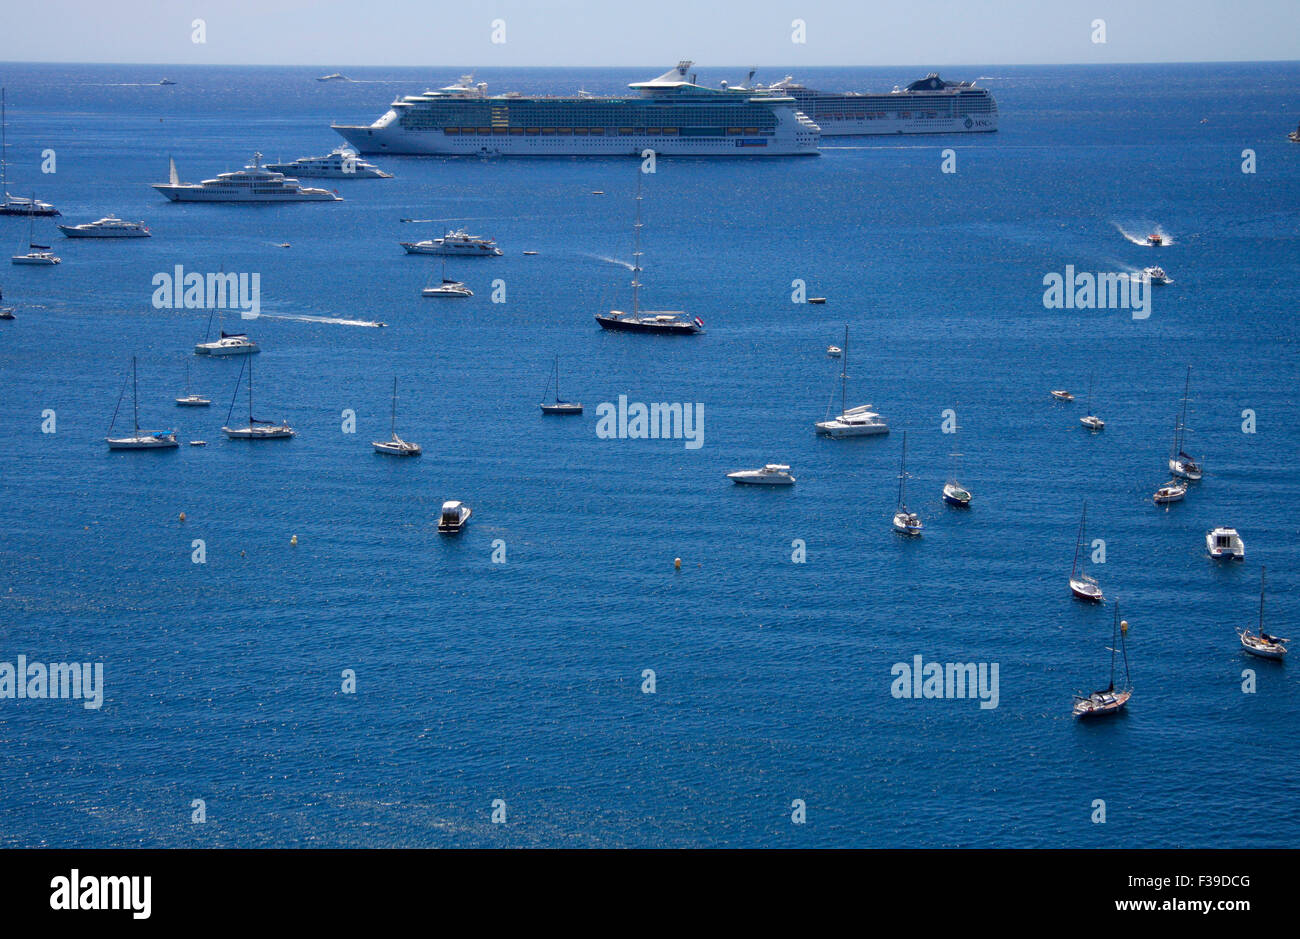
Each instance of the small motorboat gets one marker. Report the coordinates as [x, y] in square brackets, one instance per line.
[773, 474]
[1294, 136]
[193, 401]
[1155, 239]
[454, 517]
[7, 313]
[198, 443]
[834, 352]
[817, 300]
[1156, 275]
[1261, 643]
[1172, 491]
[1060, 395]
[1225, 543]
[530, 252]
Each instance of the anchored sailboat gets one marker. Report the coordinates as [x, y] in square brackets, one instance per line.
[650, 321]
[1261, 643]
[396, 446]
[559, 405]
[905, 521]
[1082, 584]
[255, 429]
[14, 205]
[1090, 420]
[851, 422]
[139, 439]
[1180, 462]
[1111, 699]
[954, 493]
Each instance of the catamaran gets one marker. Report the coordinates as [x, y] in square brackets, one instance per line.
[1082, 584]
[36, 254]
[851, 422]
[665, 322]
[396, 446]
[559, 405]
[1181, 462]
[1090, 420]
[139, 439]
[1261, 643]
[1225, 543]
[255, 429]
[905, 522]
[15, 205]
[1109, 700]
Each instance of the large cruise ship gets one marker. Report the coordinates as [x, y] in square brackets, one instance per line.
[670, 114]
[927, 106]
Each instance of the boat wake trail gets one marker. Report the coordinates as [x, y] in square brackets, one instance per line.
[1142, 239]
[607, 260]
[304, 318]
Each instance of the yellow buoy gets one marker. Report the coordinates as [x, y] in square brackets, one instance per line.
[677, 563]
[293, 540]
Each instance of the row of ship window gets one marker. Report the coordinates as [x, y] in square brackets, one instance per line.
[601, 131]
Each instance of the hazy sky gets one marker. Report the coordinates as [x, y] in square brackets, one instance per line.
[644, 32]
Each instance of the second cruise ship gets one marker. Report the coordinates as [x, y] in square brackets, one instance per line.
[929, 105]
[671, 115]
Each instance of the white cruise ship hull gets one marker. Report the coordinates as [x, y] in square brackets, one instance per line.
[862, 127]
[387, 136]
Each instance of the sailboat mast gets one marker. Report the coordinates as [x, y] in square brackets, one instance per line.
[636, 249]
[1123, 646]
[1261, 601]
[250, 394]
[1114, 634]
[902, 472]
[1078, 541]
[557, 379]
[844, 370]
[393, 428]
[135, 397]
[4, 149]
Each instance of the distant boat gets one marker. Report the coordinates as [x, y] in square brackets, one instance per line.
[15, 205]
[255, 429]
[905, 522]
[334, 77]
[1061, 395]
[110, 226]
[6, 312]
[817, 300]
[139, 439]
[448, 287]
[253, 184]
[458, 243]
[1082, 584]
[1294, 136]
[954, 493]
[773, 474]
[191, 400]
[166, 81]
[1109, 700]
[1157, 276]
[851, 422]
[1155, 239]
[396, 446]
[834, 352]
[558, 406]
[1090, 420]
[662, 322]
[1261, 643]
[1172, 491]
[454, 517]
[1180, 462]
[339, 163]
[1225, 543]
[228, 344]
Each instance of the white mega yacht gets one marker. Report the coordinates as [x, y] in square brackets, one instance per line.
[339, 163]
[110, 226]
[254, 183]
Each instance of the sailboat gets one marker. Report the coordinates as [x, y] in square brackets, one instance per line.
[227, 344]
[191, 400]
[6, 312]
[396, 446]
[1082, 584]
[559, 405]
[954, 493]
[666, 322]
[139, 439]
[14, 205]
[851, 422]
[448, 288]
[905, 522]
[1110, 700]
[1090, 420]
[256, 429]
[1261, 643]
[36, 254]
[1180, 462]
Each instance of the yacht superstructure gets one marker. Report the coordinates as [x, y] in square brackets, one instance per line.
[254, 183]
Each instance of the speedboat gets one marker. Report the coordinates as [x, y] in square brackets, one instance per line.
[817, 300]
[333, 77]
[459, 243]
[454, 517]
[1225, 543]
[339, 163]
[1155, 239]
[228, 344]
[1156, 275]
[166, 81]
[1062, 396]
[773, 474]
[194, 401]
[1172, 491]
[110, 226]
[254, 183]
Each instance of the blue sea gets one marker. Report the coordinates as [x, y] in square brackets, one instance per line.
[524, 681]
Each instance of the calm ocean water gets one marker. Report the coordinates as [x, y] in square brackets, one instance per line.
[522, 681]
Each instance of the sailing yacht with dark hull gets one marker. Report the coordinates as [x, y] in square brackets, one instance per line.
[1109, 700]
[559, 407]
[1181, 463]
[1082, 584]
[662, 322]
